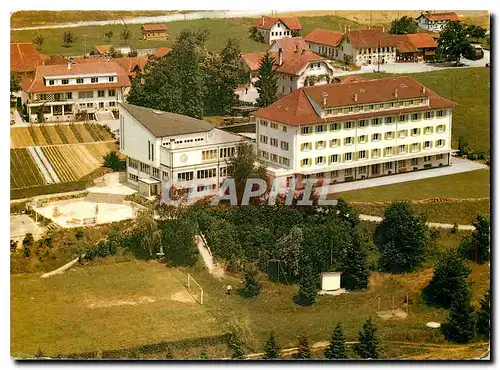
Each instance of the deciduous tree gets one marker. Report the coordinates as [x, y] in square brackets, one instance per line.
[403, 26]
[252, 286]
[453, 43]
[68, 39]
[38, 41]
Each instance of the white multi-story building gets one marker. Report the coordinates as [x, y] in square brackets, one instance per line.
[273, 29]
[169, 147]
[352, 131]
[436, 21]
[295, 68]
[61, 91]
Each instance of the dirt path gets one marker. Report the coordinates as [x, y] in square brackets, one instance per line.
[214, 269]
[378, 219]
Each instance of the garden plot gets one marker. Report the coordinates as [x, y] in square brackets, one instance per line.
[23, 170]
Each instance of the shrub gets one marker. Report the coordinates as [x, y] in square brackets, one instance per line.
[13, 246]
[28, 242]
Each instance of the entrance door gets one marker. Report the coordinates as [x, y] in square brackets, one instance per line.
[155, 189]
[376, 169]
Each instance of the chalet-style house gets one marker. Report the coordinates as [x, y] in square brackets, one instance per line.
[277, 28]
[154, 32]
[295, 68]
[436, 21]
[61, 91]
[355, 130]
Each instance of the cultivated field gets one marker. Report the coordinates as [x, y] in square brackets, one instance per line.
[40, 135]
[23, 170]
[104, 308]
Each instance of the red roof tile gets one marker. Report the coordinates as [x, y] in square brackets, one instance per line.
[36, 84]
[422, 40]
[450, 16]
[324, 37]
[25, 58]
[297, 108]
[352, 79]
[154, 27]
[131, 63]
[103, 49]
[267, 22]
[370, 38]
[252, 60]
[293, 62]
[162, 51]
[291, 43]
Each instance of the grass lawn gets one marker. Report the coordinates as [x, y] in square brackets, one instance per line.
[470, 89]
[220, 31]
[473, 184]
[104, 307]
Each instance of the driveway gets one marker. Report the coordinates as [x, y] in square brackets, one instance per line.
[457, 166]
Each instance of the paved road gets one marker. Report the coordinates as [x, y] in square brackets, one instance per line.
[378, 219]
[158, 19]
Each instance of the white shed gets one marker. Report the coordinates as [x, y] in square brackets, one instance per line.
[330, 281]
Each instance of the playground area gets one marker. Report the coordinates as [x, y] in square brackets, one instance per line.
[83, 212]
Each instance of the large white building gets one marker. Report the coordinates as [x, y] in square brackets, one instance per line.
[167, 147]
[273, 29]
[436, 21]
[356, 130]
[61, 91]
[295, 68]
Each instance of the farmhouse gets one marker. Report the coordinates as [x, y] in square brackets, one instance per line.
[325, 42]
[154, 32]
[169, 147]
[64, 90]
[436, 21]
[295, 68]
[289, 44]
[24, 58]
[277, 28]
[351, 131]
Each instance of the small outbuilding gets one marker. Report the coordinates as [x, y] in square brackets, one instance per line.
[154, 32]
[330, 281]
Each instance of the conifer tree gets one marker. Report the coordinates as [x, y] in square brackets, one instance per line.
[169, 355]
[238, 353]
[271, 348]
[252, 286]
[267, 83]
[356, 273]
[483, 316]
[476, 247]
[307, 286]
[461, 318]
[368, 346]
[304, 350]
[337, 347]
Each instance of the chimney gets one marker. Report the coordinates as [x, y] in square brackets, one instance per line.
[69, 65]
[355, 97]
[262, 20]
[423, 89]
[345, 29]
[396, 93]
[280, 56]
[296, 48]
[324, 95]
[303, 51]
[383, 29]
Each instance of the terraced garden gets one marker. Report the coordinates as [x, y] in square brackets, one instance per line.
[41, 135]
[23, 170]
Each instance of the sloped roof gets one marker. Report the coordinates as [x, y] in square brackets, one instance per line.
[422, 40]
[103, 49]
[403, 44]
[297, 108]
[36, 84]
[324, 37]
[370, 38]
[162, 124]
[267, 22]
[25, 58]
[162, 51]
[154, 27]
[290, 43]
[435, 17]
[130, 63]
[293, 62]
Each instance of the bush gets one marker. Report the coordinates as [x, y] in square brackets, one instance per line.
[252, 286]
[28, 242]
[13, 246]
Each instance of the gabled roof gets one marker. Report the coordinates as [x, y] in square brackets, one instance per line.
[435, 17]
[25, 58]
[154, 27]
[36, 84]
[162, 124]
[131, 63]
[293, 62]
[297, 108]
[162, 51]
[370, 38]
[103, 49]
[403, 44]
[267, 22]
[290, 44]
[324, 37]
[422, 40]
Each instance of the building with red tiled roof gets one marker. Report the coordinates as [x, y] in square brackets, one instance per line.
[154, 32]
[289, 44]
[349, 131]
[132, 65]
[273, 28]
[324, 42]
[24, 58]
[295, 68]
[61, 91]
[160, 52]
[436, 21]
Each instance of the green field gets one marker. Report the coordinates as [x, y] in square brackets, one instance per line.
[220, 31]
[470, 89]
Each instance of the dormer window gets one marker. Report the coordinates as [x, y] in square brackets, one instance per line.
[65, 81]
[51, 82]
[79, 80]
[94, 80]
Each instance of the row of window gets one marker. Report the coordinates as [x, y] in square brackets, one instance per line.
[364, 123]
[275, 158]
[65, 81]
[375, 153]
[167, 143]
[376, 107]
[273, 125]
[363, 139]
[282, 33]
[274, 142]
[95, 105]
[201, 174]
[389, 49]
